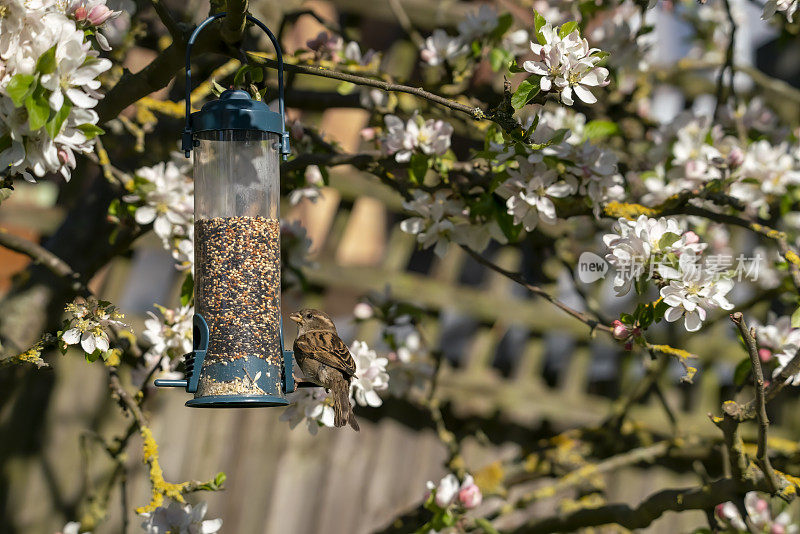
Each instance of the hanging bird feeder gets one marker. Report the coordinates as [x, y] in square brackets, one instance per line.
[238, 358]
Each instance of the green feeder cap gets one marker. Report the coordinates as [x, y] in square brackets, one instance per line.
[235, 110]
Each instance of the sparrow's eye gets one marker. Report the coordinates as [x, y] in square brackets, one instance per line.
[308, 316]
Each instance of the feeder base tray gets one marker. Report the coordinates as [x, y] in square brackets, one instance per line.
[236, 401]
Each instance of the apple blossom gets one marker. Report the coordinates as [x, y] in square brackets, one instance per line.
[180, 518]
[370, 376]
[88, 324]
[441, 47]
[787, 7]
[691, 296]
[431, 137]
[478, 23]
[311, 405]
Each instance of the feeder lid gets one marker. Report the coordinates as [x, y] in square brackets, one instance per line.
[235, 110]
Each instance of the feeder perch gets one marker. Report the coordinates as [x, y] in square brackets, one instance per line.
[238, 357]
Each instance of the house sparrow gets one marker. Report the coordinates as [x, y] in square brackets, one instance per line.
[325, 360]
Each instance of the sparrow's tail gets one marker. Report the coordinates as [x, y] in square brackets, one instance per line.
[342, 409]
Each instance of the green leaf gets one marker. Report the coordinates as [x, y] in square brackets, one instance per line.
[506, 221]
[514, 68]
[19, 87]
[498, 58]
[525, 92]
[53, 126]
[91, 358]
[567, 28]
[538, 22]
[742, 372]
[600, 129]
[47, 61]
[90, 130]
[561, 133]
[38, 108]
[627, 319]
[668, 239]
[796, 318]
[417, 168]
[187, 290]
[504, 22]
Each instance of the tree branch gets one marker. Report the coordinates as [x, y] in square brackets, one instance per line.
[762, 458]
[41, 255]
[166, 18]
[641, 516]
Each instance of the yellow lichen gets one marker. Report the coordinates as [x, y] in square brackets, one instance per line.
[627, 210]
[792, 257]
[490, 477]
[160, 487]
[112, 357]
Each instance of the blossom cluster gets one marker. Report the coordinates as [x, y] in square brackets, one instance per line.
[89, 321]
[761, 517]
[564, 165]
[430, 137]
[787, 7]
[449, 491]
[440, 218]
[164, 196]
[757, 172]
[565, 63]
[314, 406]
[441, 47]
[688, 289]
[49, 83]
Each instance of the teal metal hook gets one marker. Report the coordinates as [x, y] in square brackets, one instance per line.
[187, 139]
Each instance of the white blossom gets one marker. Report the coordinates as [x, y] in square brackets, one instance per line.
[431, 137]
[692, 295]
[89, 320]
[314, 180]
[777, 333]
[352, 52]
[566, 64]
[170, 338]
[370, 377]
[180, 519]
[786, 355]
[528, 192]
[431, 225]
[166, 196]
[312, 405]
[478, 23]
[441, 47]
[636, 245]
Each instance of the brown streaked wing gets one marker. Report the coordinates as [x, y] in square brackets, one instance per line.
[326, 347]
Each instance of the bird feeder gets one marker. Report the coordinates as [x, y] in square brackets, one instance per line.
[238, 358]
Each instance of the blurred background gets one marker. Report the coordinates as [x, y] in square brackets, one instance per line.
[516, 369]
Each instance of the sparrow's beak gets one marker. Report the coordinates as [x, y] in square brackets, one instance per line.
[296, 317]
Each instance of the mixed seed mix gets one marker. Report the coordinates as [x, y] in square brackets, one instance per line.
[237, 291]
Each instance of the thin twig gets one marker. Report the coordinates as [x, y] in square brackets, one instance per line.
[405, 22]
[169, 22]
[762, 457]
[594, 324]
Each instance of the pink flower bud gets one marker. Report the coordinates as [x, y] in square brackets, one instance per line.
[99, 14]
[736, 157]
[765, 355]
[691, 237]
[63, 156]
[368, 134]
[619, 330]
[761, 505]
[80, 13]
[470, 496]
[629, 346]
[427, 55]
[777, 528]
[719, 510]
